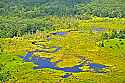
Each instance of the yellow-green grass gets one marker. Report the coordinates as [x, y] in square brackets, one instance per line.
[67, 23]
[74, 45]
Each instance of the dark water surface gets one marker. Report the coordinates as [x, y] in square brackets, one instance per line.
[43, 62]
[58, 33]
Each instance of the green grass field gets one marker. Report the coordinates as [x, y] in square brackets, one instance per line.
[82, 42]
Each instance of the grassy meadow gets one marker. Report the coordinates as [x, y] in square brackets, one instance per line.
[79, 40]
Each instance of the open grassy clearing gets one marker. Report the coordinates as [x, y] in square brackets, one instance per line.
[74, 44]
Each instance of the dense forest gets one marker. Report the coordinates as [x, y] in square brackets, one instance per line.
[36, 8]
[62, 41]
[14, 12]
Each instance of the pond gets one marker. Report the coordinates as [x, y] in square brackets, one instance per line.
[58, 33]
[94, 65]
[98, 29]
[43, 62]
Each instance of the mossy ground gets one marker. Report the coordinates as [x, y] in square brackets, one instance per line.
[74, 44]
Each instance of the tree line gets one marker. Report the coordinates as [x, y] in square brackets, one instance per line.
[37, 8]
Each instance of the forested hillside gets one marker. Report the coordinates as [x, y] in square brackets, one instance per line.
[14, 12]
[36, 8]
[62, 41]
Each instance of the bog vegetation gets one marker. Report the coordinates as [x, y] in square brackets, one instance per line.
[95, 30]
